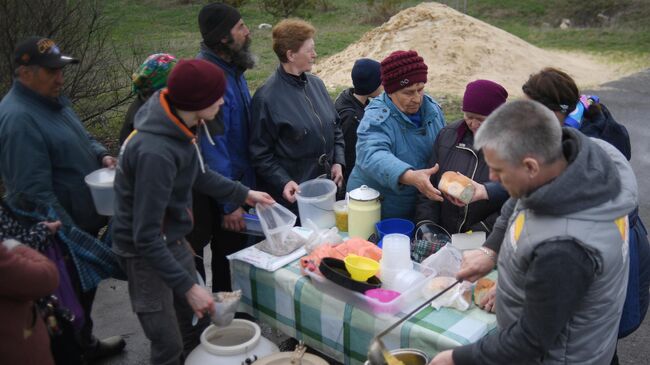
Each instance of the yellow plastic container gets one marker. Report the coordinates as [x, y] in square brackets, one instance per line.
[360, 268]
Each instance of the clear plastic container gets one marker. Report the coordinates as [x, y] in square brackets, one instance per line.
[253, 225]
[408, 299]
[100, 183]
[316, 202]
[341, 215]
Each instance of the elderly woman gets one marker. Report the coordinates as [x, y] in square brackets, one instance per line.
[296, 134]
[453, 151]
[395, 137]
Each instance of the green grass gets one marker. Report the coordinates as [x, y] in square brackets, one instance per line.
[144, 27]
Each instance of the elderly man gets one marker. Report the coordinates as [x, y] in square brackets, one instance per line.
[226, 43]
[563, 259]
[45, 153]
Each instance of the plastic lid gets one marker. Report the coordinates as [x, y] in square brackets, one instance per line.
[364, 193]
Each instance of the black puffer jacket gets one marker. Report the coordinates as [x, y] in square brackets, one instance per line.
[351, 112]
[294, 123]
[453, 152]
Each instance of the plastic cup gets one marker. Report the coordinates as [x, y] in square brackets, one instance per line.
[395, 225]
[341, 215]
[100, 183]
[396, 252]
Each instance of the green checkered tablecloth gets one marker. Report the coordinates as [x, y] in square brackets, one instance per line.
[287, 300]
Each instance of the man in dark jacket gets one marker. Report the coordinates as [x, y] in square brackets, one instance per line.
[352, 102]
[45, 153]
[226, 43]
[159, 165]
[562, 255]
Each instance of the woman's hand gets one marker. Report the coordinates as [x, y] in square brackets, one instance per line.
[337, 174]
[261, 197]
[289, 191]
[109, 161]
[421, 180]
[234, 221]
[52, 226]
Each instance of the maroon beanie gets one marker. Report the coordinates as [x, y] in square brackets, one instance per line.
[402, 69]
[482, 97]
[195, 84]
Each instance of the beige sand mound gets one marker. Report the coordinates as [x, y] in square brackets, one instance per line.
[458, 49]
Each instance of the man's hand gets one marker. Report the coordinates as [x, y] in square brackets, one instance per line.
[475, 265]
[234, 221]
[480, 193]
[109, 161]
[443, 358]
[200, 300]
[289, 191]
[337, 174]
[52, 226]
[421, 179]
[261, 197]
[489, 300]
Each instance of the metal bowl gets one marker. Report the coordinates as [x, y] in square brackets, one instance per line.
[409, 357]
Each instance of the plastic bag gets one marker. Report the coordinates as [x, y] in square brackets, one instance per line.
[225, 306]
[277, 223]
[447, 262]
[321, 236]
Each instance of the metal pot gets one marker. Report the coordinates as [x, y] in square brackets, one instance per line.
[409, 357]
[364, 211]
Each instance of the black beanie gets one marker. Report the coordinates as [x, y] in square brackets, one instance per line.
[366, 76]
[215, 22]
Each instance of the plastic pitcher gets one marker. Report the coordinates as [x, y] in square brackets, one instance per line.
[100, 183]
[316, 202]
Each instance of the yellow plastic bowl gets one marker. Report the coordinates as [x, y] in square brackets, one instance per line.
[360, 268]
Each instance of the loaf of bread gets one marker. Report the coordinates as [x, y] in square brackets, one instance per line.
[481, 289]
[457, 185]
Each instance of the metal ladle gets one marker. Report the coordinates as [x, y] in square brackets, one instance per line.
[377, 349]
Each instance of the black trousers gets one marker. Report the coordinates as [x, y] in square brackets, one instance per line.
[207, 230]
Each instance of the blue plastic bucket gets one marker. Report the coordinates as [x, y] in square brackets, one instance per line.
[394, 225]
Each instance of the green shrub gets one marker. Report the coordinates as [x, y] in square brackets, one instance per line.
[380, 11]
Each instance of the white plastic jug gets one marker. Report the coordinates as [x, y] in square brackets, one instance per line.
[237, 343]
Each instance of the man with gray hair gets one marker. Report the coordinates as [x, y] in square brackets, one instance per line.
[561, 241]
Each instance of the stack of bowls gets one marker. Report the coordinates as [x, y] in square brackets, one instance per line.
[396, 257]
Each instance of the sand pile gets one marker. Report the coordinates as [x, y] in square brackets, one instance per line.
[458, 49]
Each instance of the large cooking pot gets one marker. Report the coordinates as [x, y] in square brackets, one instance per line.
[409, 357]
[364, 211]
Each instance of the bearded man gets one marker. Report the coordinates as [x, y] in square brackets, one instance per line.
[226, 43]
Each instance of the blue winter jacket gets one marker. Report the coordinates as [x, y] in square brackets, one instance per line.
[388, 145]
[229, 156]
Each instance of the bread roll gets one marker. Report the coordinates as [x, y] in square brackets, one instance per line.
[457, 185]
[481, 289]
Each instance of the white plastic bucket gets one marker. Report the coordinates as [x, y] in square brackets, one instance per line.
[316, 202]
[100, 183]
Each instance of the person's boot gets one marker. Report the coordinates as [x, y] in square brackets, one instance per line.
[104, 348]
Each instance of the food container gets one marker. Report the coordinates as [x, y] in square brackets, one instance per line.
[253, 225]
[364, 211]
[100, 183]
[341, 215]
[409, 357]
[408, 299]
[316, 202]
[394, 225]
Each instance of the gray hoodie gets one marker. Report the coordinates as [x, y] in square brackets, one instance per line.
[562, 279]
[157, 169]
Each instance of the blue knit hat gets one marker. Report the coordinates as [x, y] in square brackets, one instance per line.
[366, 76]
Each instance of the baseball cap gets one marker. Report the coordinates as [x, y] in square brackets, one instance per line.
[41, 51]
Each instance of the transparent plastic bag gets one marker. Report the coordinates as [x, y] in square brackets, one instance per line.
[321, 236]
[225, 306]
[447, 262]
[277, 223]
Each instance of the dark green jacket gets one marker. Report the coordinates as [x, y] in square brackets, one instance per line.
[45, 153]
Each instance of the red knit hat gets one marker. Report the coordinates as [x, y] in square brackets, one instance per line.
[482, 97]
[402, 69]
[195, 84]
